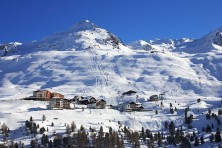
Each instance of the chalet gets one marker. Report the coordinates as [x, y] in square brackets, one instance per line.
[130, 92]
[162, 96]
[132, 106]
[91, 99]
[154, 98]
[110, 106]
[76, 98]
[85, 100]
[42, 94]
[57, 95]
[66, 103]
[92, 105]
[99, 104]
[55, 103]
[59, 103]
[128, 98]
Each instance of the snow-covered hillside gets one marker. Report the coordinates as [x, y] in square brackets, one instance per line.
[88, 60]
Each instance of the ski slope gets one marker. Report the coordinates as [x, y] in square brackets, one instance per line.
[90, 61]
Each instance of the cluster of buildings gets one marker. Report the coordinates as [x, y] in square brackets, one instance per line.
[45, 95]
[90, 102]
[57, 101]
[130, 106]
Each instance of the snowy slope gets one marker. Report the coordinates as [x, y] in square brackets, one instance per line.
[9, 48]
[88, 60]
[141, 45]
[210, 42]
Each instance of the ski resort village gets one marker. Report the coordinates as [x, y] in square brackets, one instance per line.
[128, 101]
[84, 87]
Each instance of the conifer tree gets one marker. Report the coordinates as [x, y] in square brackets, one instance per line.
[43, 118]
[42, 130]
[185, 143]
[202, 140]
[208, 128]
[217, 136]
[159, 140]
[68, 129]
[34, 143]
[44, 140]
[31, 119]
[171, 111]
[57, 141]
[110, 130]
[196, 143]
[172, 128]
[5, 130]
[211, 137]
[209, 111]
[73, 126]
[166, 125]
[82, 128]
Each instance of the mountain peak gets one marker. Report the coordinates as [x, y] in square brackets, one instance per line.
[214, 37]
[84, 25]
[140, 44]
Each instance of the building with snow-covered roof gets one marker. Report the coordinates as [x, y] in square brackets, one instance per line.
[154, 98]
[99, 104]
[84, 100]
[130, 106]
[59, 103]
[44, 94]
[57, 95]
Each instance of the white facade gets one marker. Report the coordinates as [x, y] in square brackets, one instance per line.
[55, 103]
[92, 105]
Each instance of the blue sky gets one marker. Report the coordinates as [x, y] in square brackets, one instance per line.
[28, 20]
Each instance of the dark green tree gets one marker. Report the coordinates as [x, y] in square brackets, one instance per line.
[197, 141]
[211, 137]
[68, 129]
[217, 136]
[31, 119]
[43, 118]
[172, 128]
[209, 111]
[34, 143]
[42, 130]
[202, 140]
[166, 125]
[185, 143]
[73, 126]
[156, 112]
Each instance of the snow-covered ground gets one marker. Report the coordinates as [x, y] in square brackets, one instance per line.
[90, 61]
[14, 113]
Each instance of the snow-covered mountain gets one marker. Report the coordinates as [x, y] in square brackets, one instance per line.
[89, 60]
[211, 41]
[141, 45]
[9, 48]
